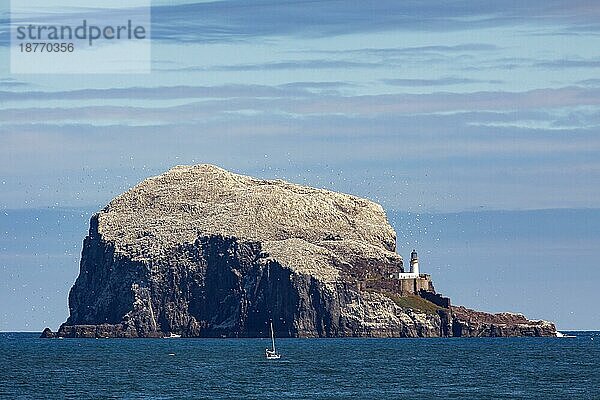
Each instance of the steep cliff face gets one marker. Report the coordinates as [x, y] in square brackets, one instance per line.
[202, 252]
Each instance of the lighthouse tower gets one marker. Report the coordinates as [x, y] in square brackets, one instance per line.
[414, 263]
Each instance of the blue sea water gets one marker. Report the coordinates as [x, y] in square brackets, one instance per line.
[461, 368]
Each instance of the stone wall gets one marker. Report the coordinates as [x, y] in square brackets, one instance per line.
[402, 287]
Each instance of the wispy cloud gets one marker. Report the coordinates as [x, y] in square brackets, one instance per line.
[446, 81]
[319, 85]
[569, 63]
[238, 19]
[12, 83]
[215, 101]
[157, 93]
[447, 101]
[315, 64]
[589, 82]
[411, 50]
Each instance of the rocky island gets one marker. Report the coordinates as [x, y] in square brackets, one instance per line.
[202, 252]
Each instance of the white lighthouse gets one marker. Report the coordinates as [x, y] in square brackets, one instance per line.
[413, 282]
[414, 263]
[414, 268]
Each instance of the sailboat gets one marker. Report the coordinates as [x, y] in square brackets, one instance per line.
[272, 354]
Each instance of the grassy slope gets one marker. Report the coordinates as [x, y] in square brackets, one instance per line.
[415, 302]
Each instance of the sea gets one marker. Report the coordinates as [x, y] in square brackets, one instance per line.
[352, 368]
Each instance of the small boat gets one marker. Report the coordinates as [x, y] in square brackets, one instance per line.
[272, 354]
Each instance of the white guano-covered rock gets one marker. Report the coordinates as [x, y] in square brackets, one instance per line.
[304, 228]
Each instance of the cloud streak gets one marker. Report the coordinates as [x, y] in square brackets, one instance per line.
[291, 102]
[447, 101]
[12, 83]
[239, 20]
[569, 63]
[446, 81]
[157, 93]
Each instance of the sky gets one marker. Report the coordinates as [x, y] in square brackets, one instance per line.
[432, 108]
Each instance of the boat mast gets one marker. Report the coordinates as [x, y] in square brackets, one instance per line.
[272, 337]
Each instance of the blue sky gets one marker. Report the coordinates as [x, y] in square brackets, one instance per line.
[424, 106]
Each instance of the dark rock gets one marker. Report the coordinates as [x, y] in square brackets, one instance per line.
[470, 323]
[47, 333]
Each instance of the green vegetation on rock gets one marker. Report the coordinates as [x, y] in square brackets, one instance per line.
[414, 302]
